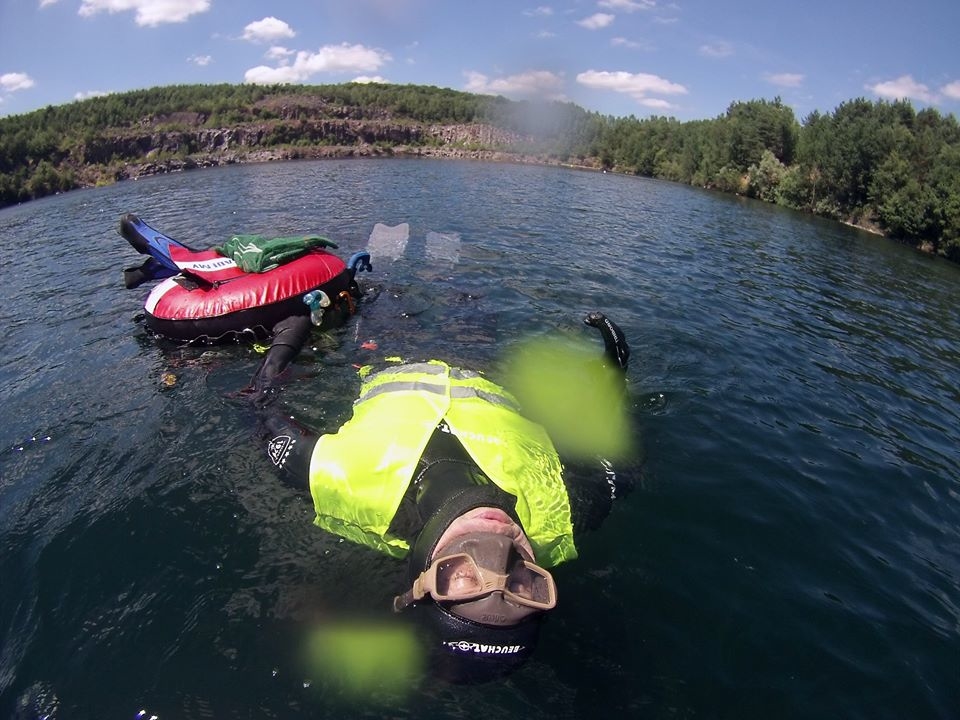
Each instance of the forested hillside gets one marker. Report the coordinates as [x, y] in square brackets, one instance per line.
[877, 164]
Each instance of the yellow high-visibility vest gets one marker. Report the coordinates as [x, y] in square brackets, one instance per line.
[359, 475]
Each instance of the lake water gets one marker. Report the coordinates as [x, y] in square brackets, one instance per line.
[791, 550]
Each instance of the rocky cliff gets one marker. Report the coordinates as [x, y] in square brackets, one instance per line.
[171, 144]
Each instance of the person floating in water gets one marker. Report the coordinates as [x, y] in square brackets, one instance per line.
[439, 466]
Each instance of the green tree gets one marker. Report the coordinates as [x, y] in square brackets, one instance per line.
[764, 178]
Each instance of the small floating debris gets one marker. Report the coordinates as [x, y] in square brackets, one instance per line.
[33, 440]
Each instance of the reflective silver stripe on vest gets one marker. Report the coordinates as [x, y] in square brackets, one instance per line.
[425, 368]
[456, 391]
[459, 391]
[458, 374]
[399, 385]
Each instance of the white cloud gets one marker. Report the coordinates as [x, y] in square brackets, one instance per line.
[952, 90]
[903, 87]
[787, 80]
[623, 42]
[263, 75]
[717, 50]
[45, 3]
[639, 86]
[277, 53]
[655, 103]
[542, 11]
[201, 60]
[595, 22]
[328, 59]
[627, 5]
[365, 79]
[534, 83]
[270, 29]
[150, 13]
[87, 94]
[11, 82]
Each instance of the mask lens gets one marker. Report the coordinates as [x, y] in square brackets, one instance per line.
[457, 577]
[528, 584]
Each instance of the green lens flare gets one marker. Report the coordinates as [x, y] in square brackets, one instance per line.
[580, 400]
[366, 662]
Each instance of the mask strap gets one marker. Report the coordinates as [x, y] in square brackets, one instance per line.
[416, 592]
[402, 601]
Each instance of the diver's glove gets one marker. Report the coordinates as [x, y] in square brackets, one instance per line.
[615, 345]
[289, 335]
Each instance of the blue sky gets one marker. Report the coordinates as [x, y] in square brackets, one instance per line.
[686, 58]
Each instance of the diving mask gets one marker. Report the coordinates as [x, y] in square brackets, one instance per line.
[488, 581]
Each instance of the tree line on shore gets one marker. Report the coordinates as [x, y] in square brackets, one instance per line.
[873, 163]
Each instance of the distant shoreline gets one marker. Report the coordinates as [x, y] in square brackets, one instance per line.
[200, 161]
[134, 171]
[883, 168]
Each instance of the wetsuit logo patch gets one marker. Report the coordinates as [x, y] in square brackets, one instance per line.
[279, 449]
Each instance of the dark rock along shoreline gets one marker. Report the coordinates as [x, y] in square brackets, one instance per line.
[173, 150]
